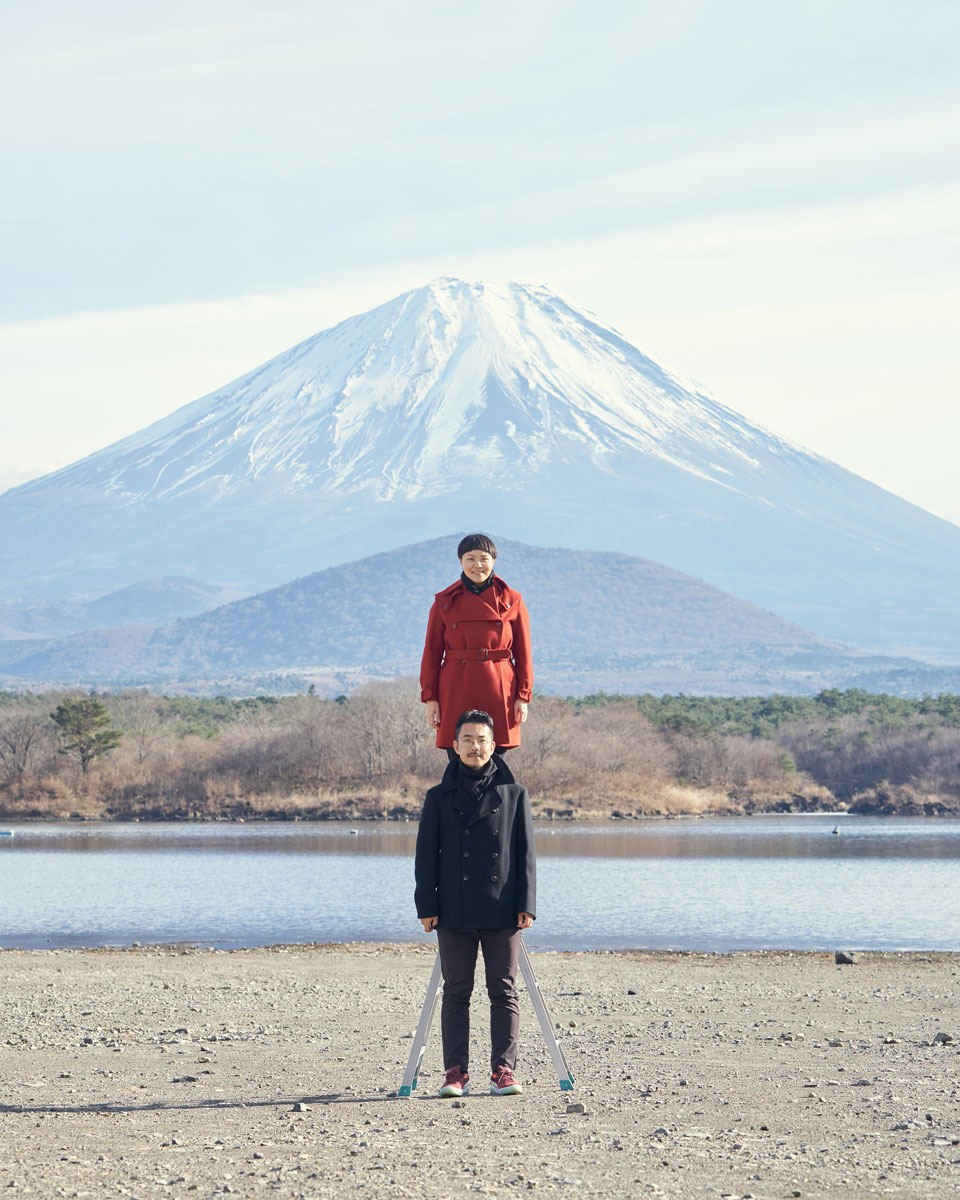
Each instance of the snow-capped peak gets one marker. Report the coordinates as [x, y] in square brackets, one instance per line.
[453, 379]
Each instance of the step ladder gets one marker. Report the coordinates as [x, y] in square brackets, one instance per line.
[412, 1074]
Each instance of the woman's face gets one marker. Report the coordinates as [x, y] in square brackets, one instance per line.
[477, 565]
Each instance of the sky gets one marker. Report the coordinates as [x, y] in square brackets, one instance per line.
[765, 195]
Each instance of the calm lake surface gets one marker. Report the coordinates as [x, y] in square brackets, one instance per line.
[714, 884]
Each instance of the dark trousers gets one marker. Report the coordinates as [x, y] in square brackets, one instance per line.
[458, 962]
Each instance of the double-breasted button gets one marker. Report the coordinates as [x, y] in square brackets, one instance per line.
[466, 854]
[466, 833]
[465, 878]
[493, 878]
[494, 854]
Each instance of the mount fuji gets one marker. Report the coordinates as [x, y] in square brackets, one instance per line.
[469, 405]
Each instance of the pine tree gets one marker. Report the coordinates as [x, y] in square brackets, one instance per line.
[85, 729]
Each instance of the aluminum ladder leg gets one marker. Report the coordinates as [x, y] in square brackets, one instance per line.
[412, 1074]
[546, 1025]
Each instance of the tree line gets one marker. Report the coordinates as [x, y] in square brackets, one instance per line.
[133, 754]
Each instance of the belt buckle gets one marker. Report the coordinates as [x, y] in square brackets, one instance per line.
[483, 654]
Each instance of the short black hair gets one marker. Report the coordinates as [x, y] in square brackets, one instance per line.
[473, 716]
[477, 541]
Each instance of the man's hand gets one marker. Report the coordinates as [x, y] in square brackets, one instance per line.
[429, 924]
[520, 712]
[433, 714]
[524, 920]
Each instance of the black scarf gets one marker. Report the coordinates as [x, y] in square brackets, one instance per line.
[473, 783]
[476, 588]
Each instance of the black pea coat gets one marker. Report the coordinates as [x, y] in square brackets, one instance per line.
[476, 867]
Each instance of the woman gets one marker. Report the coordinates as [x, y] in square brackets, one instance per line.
[477, 651]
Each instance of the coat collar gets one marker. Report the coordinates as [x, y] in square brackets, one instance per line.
[450, 785]
[499, 596]
[451, 776]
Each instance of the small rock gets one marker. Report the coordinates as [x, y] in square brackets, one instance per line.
[845, 958]
[943, 1039]
[572, 1024]
[459, 1104]
[301, 1107]
[835, 1042]
[575, 1108]
[890, 1040]
[631, 992]
[861, 1083]
[661, 1132]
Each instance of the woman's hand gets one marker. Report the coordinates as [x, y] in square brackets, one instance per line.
[520, 712]
[433, 714]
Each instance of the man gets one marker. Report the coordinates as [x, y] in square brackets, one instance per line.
[476, 883]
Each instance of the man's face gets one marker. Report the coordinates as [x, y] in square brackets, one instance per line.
[474, 744]
[477, 565]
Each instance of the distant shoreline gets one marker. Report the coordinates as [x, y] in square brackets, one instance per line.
[946, 809]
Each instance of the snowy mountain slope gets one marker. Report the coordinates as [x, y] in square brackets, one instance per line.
[467, 404]
[450, 378]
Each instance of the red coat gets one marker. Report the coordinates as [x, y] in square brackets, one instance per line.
[463, 629]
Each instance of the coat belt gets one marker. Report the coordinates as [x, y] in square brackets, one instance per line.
[478, 655]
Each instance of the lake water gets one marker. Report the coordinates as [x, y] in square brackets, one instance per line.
[713, 884]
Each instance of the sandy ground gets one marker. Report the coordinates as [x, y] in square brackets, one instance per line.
[157, 1071]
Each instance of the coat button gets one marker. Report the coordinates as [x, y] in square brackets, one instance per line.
[495, 832]
[465, 878]
[492, 877]
[466, 854]
[494, 854]
[466, 833]
[454, 625]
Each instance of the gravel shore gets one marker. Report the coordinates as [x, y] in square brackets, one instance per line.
[164, 1071]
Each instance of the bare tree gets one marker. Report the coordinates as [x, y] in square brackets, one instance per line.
[24, 737]
[137, 715]
[390, 732]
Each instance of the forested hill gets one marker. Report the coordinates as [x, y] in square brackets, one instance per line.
[601, 620]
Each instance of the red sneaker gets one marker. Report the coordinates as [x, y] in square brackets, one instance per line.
[502, 1083]
[455, 1083]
